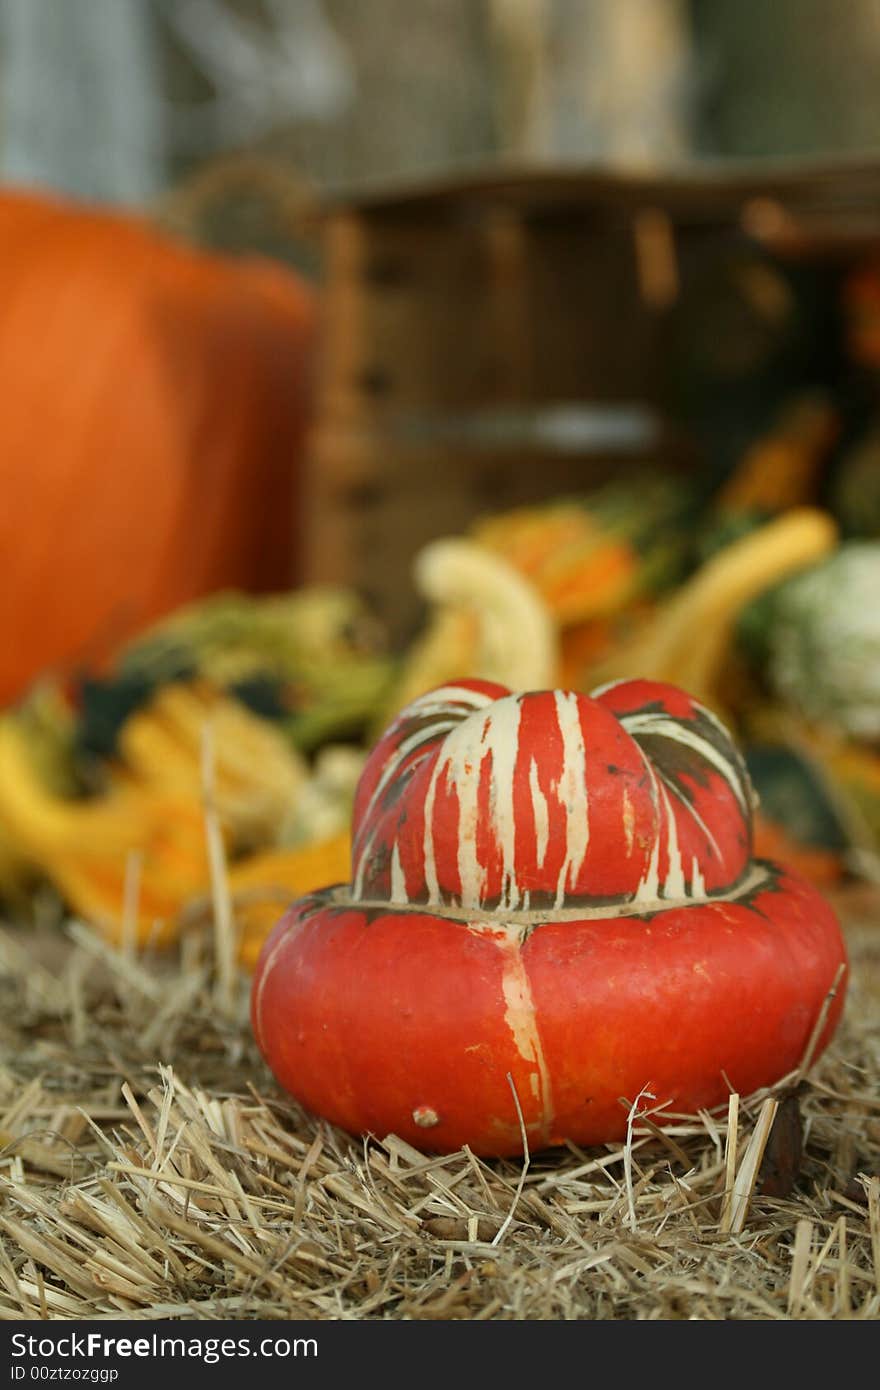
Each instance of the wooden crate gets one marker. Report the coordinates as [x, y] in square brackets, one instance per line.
[495, 340]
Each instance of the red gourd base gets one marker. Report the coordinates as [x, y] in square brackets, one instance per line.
[553, 895]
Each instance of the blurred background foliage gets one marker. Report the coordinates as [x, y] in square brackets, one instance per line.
[116, 99]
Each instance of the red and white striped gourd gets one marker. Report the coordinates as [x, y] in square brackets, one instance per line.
[552, 894]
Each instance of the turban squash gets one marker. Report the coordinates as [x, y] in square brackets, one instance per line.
[556, 889]
[152, 405]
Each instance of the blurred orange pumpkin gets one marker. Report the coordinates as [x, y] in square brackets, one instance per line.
[153, 399]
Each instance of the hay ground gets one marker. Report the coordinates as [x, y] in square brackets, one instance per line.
[150, 1168]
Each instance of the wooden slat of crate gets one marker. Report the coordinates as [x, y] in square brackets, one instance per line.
[591, 334]
[705, 192]
[372, 508]
[417, 313]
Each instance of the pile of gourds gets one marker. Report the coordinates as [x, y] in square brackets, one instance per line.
[259, 712]
[149, 703]
[231, 712]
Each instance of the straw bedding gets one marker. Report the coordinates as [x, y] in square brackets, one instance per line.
[150, 1168]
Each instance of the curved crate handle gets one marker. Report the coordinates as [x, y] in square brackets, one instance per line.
[291, 199]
